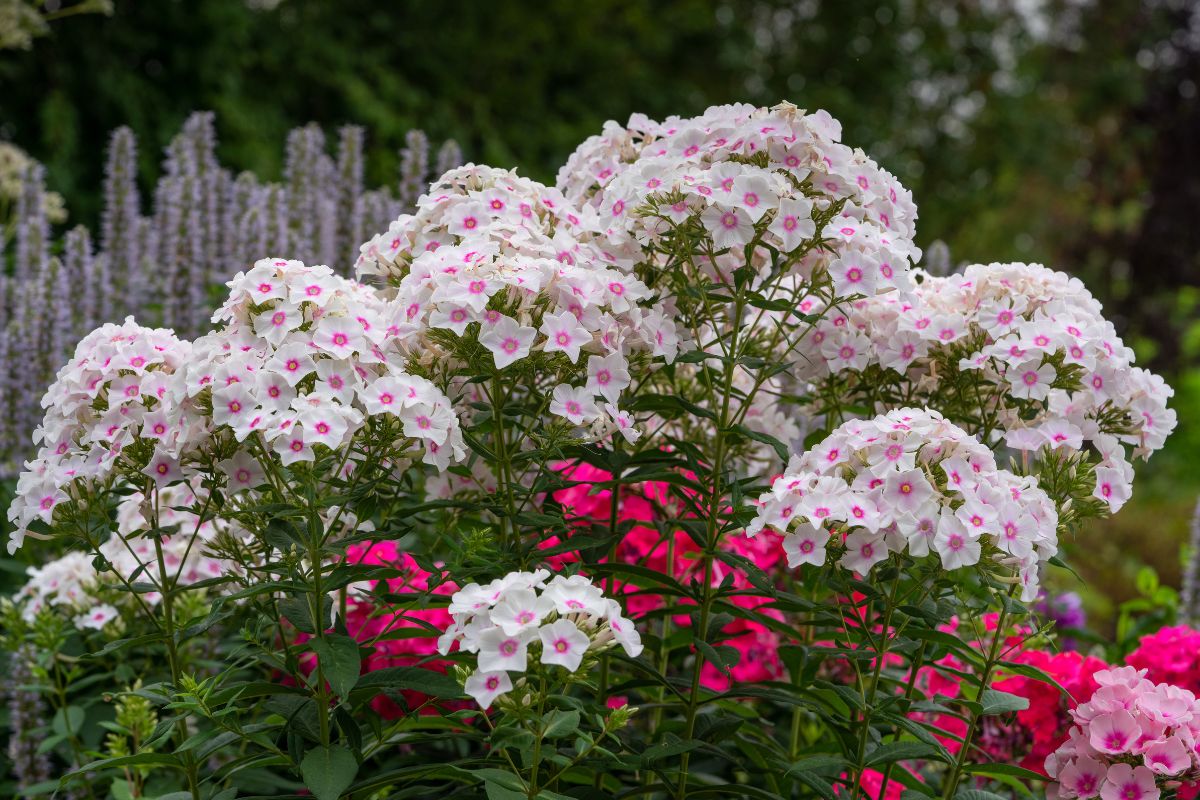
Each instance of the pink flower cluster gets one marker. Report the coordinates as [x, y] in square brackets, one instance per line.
[909, 481]
[112, 392]
[1170, 655]
[645, 504]
[512, 261]
[1130, 740]
[1045, 724]
[744, 174]
[1057, 374]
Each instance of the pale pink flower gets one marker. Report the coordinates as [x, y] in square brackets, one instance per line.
[485, 687]
[563, 644]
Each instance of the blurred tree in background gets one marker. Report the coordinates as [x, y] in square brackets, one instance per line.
[1060, 131]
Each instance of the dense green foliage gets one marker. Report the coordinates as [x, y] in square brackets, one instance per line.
[1070, 136]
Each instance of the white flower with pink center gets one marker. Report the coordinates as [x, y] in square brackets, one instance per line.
[564, 334]
[806, 545]
[1032, 380]
[485, 687]
[909, 481]
[163, 469]
[562, 620]
[508, 341]
[729, 227]
[608, 376]
[502, 651]
[564, 644]
[574, 403]
[97, 618]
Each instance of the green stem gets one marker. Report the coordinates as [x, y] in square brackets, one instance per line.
[540, 730]
[168, 607]
[914, 669]
[316, 605]
[504, 477]
[973, 725]
[864, 733]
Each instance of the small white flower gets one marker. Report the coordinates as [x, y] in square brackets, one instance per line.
[508, 341]
[500, 651]
[485, 687]
[573, 403]
[805, 545]
[97, 618]
[565, 334]
[563, 644]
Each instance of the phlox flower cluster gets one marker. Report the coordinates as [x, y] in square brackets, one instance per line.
[1170, 655]
[1130, 740]
[692, 200]
[565, 618]
[742, 175]
[1055, 374]
[113, 394]
[509, 261]
[304, 360]
[93, 599]
[641, 508]
[909, 481]
[67, 584]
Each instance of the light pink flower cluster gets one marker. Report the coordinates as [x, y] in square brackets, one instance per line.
[565, 618]
[1131, 740]
[909, 481]
[1055, 373]
[303, 360]
[67, 583]
[746, 174]
[506, 259]
[112, 393]
[72, 584]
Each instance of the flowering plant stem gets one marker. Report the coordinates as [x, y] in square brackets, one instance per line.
[881, 652]
[713, 535]
[167, 586]
[985, 678]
